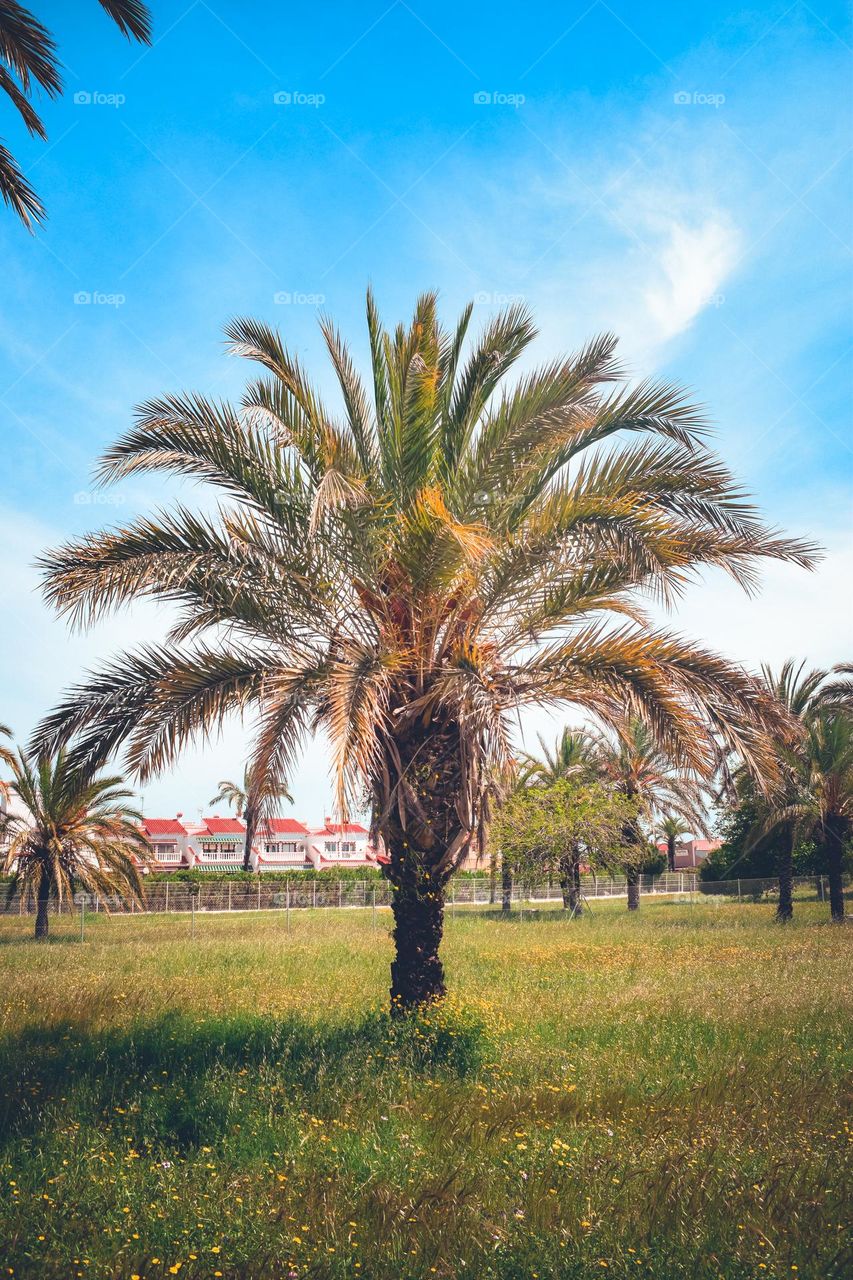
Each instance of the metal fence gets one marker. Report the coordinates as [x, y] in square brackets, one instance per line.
[463, 892]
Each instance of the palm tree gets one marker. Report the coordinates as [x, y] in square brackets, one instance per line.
[672, 828]
[827, 809]
[247, 800]
[572, 754]
[78, 831]
[28, 59]
[634, 762]
[408, 573]
[7, 758]
[811, 785]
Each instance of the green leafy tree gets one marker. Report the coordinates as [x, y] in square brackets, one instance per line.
[552, 828]
[407, 572]
[76, 831]
[28, 61]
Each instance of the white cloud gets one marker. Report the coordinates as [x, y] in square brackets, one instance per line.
[693, 265]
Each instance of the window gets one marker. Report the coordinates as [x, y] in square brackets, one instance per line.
[331, 846]
[283, 846]
[224, 847]
[347, 846]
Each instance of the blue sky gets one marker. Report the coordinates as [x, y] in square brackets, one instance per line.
[678, 174]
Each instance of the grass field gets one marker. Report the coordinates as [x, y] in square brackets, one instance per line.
[654, 1095]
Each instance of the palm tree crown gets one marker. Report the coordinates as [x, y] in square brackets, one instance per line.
[28, 60]
[407, 573]
[76, 831]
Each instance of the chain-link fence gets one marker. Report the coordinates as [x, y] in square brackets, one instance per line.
[463, 892]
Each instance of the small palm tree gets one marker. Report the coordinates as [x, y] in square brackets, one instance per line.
[247, 800]
[636, 765]
[406, 572]
[672, 828]
[28, 59]
[78, 831]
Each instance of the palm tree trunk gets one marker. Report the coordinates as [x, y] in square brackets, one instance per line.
[785, 909]
[506, 887]
[43, 901]
[417, 974]
[670, 853]
[834, 846]
[251, 822]
[570, 883]
[632, 877]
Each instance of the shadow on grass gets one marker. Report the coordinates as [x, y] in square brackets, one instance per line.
[178, 1083]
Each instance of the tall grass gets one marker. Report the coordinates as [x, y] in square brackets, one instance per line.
[660, 1095]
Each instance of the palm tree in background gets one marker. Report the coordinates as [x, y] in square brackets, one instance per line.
[7, 757]
[246, 801]
[573, 754]
[28, 61]
[672, 828]
[78, 832]
[408, 572]
[813, 792]
[632, 760]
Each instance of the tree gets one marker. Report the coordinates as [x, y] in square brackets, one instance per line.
[552, 828]
[77, 831]
[573, 755]
[672, 828]
[7, 757]
[811, 793]
[250, 800]
[641, 768]
[28, 59]
[408, 573]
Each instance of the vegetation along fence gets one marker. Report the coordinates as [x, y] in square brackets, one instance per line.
[464, 892]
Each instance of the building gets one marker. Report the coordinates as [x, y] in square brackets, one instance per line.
[690, 853]
[279, 844]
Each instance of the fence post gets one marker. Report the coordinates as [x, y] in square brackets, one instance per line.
[259, 893]
[192, 911]
[738, 889]
[374, 906]
[340, 893]
[167, 895]
[452, 901]
[288, 906]
[230, 887]
[313, 893]
[82, 915]
[820, 882]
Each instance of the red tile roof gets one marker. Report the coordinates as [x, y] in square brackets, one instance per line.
[283, 827]
[164, 827]
[225, 826]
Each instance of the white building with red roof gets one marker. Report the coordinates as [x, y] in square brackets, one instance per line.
[279, 844]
